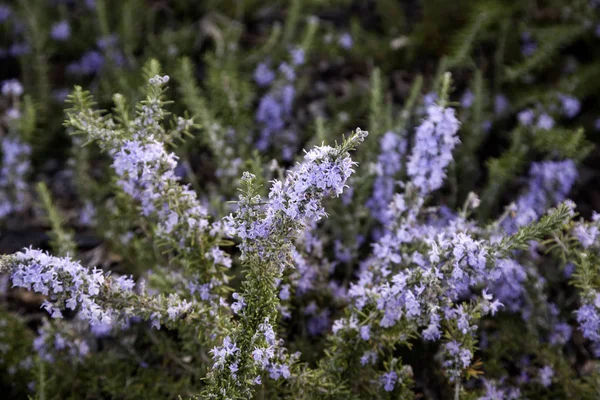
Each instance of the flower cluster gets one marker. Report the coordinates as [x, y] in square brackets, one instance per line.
[100, 299]
[434, 141]
[274, 113]
[67, 282]
[389, 165]
[549, 183]
[147, 173]
[293, 202]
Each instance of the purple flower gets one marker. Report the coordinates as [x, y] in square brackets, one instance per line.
[589, 322]
[5, 12]
[456, 359]
[433, 331]
[545, 122]
[561, 333]
[63, 279]
[60, 95]
[389, 165]
[388, 380]
[549, 183]
[529, 45]
[370, 357]
[221, 353]
[496, 392]
[365, 332]
[90, 63]
[126, 283]
[50, 344]
[238, 304]
[178, 308]
[319, 323]
[526, 117]
[263, 75]
[545, 374]
[287, 71]
[435, 139]
[270, 114]
[430, 98]
[507, 284]
[501, 104]
[284, 293]
[345, 41]
[586, 234]
[297, 56]
[87, 214]
[146, 169]
[107, 42]
[19, 49]
[61, 31]
[570, 105]
[273, 114]
[293, 202]
[467, 99]
[12, 87]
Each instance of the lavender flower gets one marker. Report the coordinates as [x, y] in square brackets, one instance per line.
[388, 380]
[467, 99]
[345, 41]
[586, 234]
[529, 45]
[90, 63]
[456, 358]
[274, 116]
[101, 300]
[589, 320]
[12, 87]
[549, 183]
[507, 284]
[435, 139]
[526, 117]
[570, 105]
[19, 49]
[561, 333]
[294, 201]
[545, 122]
[221, 353]
[263, 75]
[501, 104]
[545, 374]
[65, 280]
[54, 340]
[106, 42]
[61, 31]
[298, 56]
[5, 12]
[494, 391]
[389, 164]
[287, 71]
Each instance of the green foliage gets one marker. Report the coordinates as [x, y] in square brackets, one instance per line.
[61, 239]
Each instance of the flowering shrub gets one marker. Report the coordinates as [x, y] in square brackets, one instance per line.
[188, 211]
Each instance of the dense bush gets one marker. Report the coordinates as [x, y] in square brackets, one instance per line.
[164, 235]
